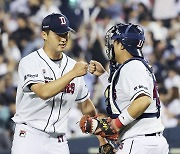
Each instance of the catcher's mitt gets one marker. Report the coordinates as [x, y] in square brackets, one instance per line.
[98, 126]
[106, 149]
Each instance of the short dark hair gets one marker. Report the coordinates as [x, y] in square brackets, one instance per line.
[47, 31]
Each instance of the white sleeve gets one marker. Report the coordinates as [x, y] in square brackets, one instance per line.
[29, 72]
[83, 92]
[104, 80]
[135, 80]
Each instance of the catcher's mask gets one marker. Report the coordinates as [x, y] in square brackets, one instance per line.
[129, 35]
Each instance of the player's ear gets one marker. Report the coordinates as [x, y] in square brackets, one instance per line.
[118, 45]
[44, 35]
[122, 47]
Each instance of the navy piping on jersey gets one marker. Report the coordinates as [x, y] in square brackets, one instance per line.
[83, 97]
[59, 112]
[56, 60]
[61, 95]
[30, 81]
[139, 92]
[131, 147]
[53, 97]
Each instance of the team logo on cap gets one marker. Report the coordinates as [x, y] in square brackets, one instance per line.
[63, 20]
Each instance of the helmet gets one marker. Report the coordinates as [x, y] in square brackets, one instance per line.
[129, 35]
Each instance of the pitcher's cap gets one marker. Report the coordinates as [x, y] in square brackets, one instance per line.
[56, 22]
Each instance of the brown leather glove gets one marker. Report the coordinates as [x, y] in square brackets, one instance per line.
[98, 126]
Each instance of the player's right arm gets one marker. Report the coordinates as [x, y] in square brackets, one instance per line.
[50, 89]
[96, 68]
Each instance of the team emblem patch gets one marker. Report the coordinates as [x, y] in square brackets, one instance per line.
[22, 133]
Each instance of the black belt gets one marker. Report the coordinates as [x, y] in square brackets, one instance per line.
[153, 134]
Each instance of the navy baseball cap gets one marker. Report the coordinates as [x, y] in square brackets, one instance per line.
[56, 22]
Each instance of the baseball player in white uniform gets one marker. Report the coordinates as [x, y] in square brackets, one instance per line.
[132, 97]
[50, 82]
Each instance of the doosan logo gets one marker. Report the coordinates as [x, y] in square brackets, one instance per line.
[30, 76]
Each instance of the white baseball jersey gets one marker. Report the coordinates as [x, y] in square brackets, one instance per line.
[46, 115]
[136, 79]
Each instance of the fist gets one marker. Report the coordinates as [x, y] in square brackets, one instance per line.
[80, 68]
[96, 68]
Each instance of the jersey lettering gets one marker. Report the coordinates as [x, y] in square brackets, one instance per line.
[30, 76]
[70, 88]
[140, 87]
[63, 20]
[48, 79]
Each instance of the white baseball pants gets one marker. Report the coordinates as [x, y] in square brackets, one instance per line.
[28, 140]
[144, 145]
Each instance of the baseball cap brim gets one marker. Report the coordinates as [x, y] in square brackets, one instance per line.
[63, 30]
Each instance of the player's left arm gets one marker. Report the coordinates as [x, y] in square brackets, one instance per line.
[136, 108]
[87, 107]
[139, 105]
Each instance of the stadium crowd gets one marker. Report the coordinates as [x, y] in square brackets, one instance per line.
[20, 35]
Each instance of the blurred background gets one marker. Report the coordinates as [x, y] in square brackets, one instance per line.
[20, 27]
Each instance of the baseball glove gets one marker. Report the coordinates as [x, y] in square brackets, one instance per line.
[106, 149]
[98, 126]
